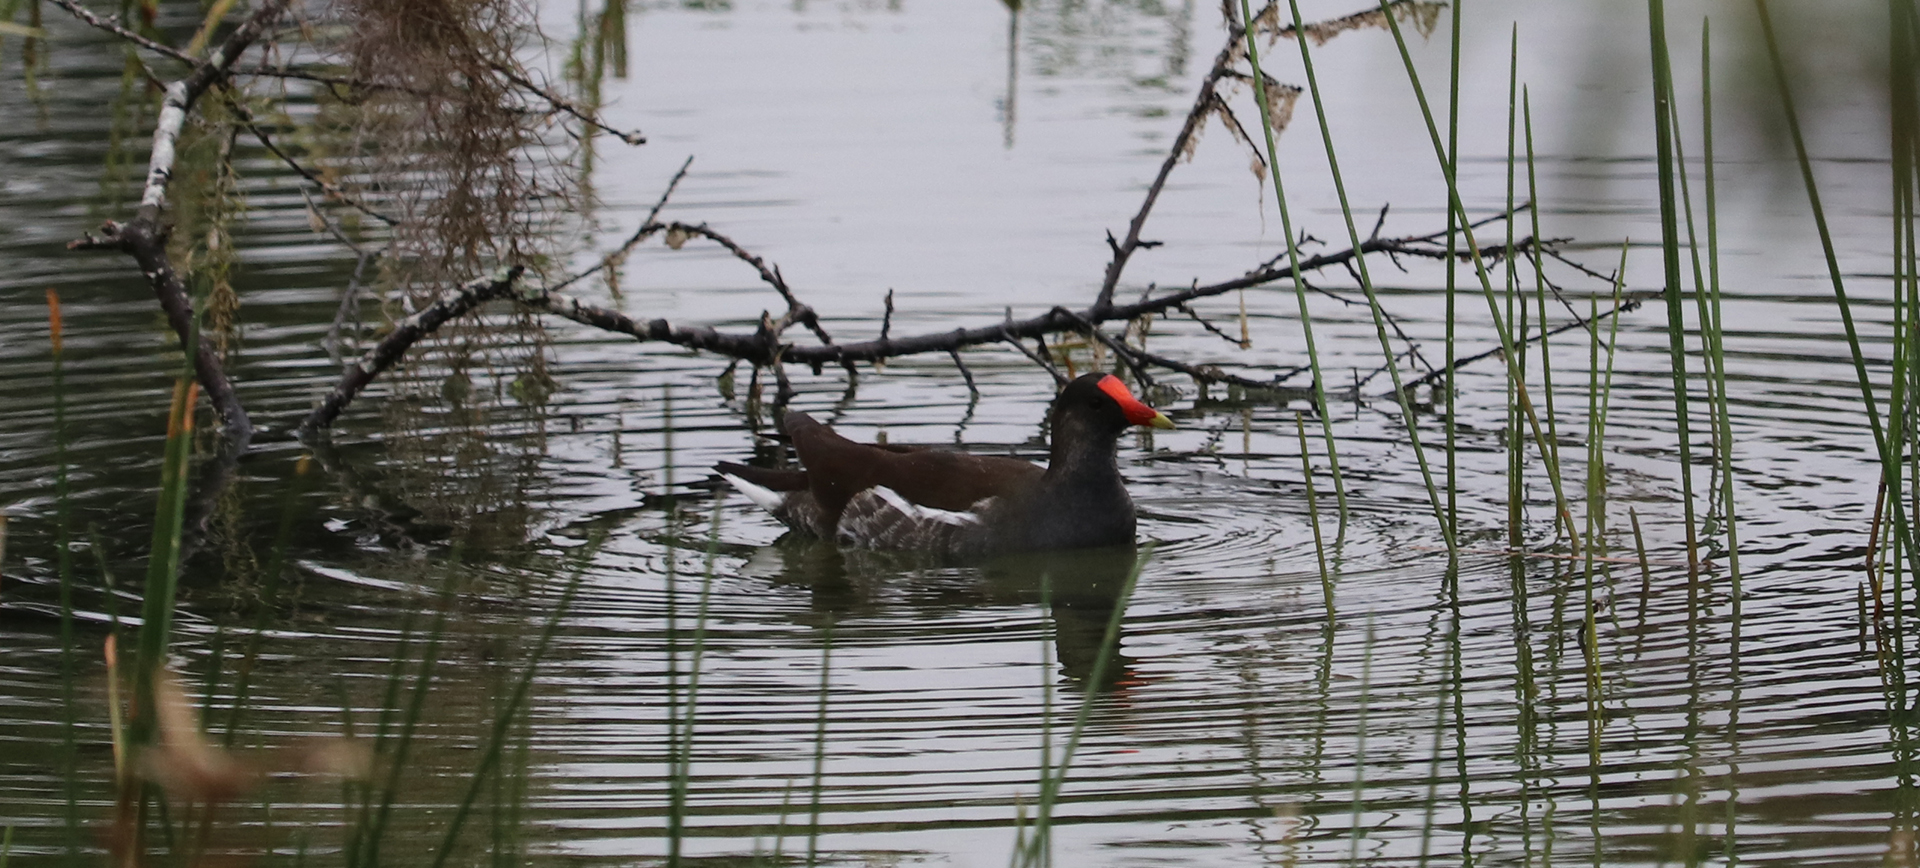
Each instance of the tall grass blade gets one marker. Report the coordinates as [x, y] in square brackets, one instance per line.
[1313, 515]
[1453, 267]
[269, 596]
[1539, 276]
[1293, 263]
[676, 805]
[1516, 421]
[163, 559]
[680, 764]
[371, 830]
[1360, 748]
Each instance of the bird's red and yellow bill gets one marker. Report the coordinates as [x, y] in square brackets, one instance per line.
[1136, 412]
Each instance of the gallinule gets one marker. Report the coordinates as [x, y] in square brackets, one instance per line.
[952, 503]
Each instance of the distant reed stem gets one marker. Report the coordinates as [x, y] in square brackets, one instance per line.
[1716, 334]
[495, 745]
[1888, 452]
[63, 560]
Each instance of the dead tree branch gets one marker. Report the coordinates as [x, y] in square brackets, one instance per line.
[145, 238]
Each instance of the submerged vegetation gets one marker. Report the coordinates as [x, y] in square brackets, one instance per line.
[453, 175]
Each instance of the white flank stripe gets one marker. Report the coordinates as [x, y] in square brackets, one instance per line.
[914, 510]
[768, 499]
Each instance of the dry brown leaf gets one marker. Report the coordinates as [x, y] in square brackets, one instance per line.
[345, 758]
[185, 763]
[1280, 101]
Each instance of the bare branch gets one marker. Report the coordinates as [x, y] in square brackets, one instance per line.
[146, 240]
[1202, 107]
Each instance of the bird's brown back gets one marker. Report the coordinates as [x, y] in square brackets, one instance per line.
[838, 468]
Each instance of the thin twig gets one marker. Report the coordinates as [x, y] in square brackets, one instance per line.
[964, 372]
[1209, 326]
[647, 228]
[111, 24]
[1046, 365]
[333, 191]
[565, 105]
[1628, 304]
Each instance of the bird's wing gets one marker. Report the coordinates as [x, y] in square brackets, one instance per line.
[880, 518]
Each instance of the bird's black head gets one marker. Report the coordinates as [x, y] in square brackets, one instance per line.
[1092, 411]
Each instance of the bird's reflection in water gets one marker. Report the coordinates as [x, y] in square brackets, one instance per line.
[1082, 588]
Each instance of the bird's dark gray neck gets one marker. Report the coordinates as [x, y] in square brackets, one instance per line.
[1083, 454]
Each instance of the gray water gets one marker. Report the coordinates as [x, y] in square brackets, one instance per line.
[867, 146]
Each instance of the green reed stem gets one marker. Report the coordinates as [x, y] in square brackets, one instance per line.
[1596, 474]
[1516, 420]
[1904, 136]
[1453, 265]
[1040, 844]
[1507, 352]
[680, 768]
[1665, 145]
[676, 804]
[1360, 748]
[1046, 696]
[1888, 452]
[1313, 515]
[1293, 262]
[1366, 282]
[1599, 400]
[163, 560]
[373, 826]
[1701, 310]
[497, 739]
[820, 745]
[1716, 334]
[111, 591]
[780, 827]
[1539, 273]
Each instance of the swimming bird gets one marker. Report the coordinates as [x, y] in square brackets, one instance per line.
[953, 503]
